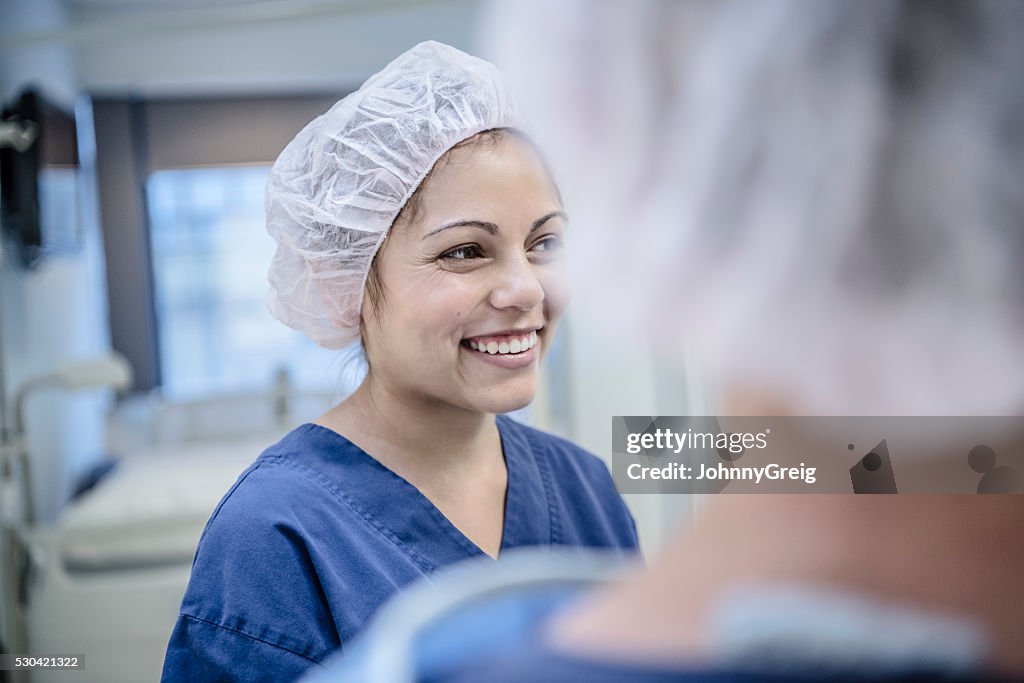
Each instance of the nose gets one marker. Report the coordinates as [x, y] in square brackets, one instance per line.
[518, 286]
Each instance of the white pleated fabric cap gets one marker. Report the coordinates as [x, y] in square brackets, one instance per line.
[336, 189]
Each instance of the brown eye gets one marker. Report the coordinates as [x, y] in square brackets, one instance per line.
[463, 253]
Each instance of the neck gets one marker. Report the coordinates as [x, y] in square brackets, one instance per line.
[951, 554]
[936, 548]
[956, 554]
[403, 430]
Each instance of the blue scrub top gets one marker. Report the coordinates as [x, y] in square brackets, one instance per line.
[316, 534]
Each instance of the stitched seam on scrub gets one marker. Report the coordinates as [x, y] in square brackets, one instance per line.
[252, 468]
[446, 524]
[250, 636]
[540, 457]
[283, 461]
[425, 503]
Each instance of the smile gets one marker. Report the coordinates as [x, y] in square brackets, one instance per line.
[515, 351]
[505, 344]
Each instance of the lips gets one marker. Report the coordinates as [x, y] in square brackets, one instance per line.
[511, 350]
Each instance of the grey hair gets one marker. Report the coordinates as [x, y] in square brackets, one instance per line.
[823, 197]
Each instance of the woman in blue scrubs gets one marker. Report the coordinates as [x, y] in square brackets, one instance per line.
[416, 219]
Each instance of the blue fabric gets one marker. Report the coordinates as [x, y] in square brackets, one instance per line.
[316, 534]
[537, 666]
[499, 639]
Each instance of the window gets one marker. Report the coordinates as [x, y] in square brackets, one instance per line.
[210, 255]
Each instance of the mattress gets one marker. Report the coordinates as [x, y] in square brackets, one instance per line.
[151, 509]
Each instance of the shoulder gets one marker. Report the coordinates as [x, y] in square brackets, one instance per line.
[264, 521]
[255, 568]
[288, 478]
[286, 495]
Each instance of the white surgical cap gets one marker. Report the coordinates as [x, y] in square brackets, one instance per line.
[823, 200]
[338, 186]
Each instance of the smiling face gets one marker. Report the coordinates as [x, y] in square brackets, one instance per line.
[472, 283]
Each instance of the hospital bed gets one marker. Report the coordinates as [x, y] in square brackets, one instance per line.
[107, 579]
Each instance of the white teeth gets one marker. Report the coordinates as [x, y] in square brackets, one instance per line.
[517, 345]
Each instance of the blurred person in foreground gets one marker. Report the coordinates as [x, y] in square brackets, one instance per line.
[825, 199]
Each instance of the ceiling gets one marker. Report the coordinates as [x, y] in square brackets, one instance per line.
[155, 4]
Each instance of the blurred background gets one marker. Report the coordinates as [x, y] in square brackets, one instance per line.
[140, 371]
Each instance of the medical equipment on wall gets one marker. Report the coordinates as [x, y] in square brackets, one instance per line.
[38, 153]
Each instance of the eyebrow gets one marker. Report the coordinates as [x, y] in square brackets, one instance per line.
[491, 228]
